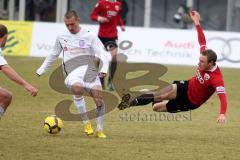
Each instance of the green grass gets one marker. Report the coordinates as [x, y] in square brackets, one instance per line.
[22, 136]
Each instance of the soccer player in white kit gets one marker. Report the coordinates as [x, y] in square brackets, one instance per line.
[5, 95]
[79, 49]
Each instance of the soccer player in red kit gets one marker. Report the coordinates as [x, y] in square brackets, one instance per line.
[190, 94]
[108, 14]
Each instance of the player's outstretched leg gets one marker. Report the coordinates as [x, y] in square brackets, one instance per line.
[143, 99]
[169, 92]
[125, 102]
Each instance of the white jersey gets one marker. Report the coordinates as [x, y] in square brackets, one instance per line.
[78, 49]
[2, 59]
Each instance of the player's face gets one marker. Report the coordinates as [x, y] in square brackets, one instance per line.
[3, 41]
[203, 63]
[72, 24]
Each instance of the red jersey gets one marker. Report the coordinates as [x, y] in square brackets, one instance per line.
[110, 10]
[205, 83]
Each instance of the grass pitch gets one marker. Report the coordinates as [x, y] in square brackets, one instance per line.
[136, 133]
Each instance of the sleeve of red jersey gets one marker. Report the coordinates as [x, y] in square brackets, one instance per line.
[223, 100]
[201, 38]
[95, 12]
[220, 90]
[119, 18]
[120, 21]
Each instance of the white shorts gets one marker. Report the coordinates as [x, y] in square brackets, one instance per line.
[77, 76]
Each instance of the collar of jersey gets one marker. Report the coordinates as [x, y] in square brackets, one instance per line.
[213, 69]
[79, 32]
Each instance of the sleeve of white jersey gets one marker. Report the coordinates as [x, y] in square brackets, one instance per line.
[101, 53]
[51, 58]
[2, 61]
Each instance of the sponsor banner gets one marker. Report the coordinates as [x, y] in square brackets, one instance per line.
[162, 46]
[44, 36]
[179, 47]
[19, 38]
[227, 47]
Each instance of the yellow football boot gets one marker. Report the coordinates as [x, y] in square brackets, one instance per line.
[100, 134]
[88, 129]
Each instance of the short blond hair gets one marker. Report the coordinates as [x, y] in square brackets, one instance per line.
[70, 14]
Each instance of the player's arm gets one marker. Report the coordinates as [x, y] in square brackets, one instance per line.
[95, 14]
[220, 90]
[14, 76]
[201, 37]
[120, 20]
[102, 54]
[50, 59]
[223, 108]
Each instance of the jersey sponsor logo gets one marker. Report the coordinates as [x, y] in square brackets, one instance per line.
[206, 77]
[111, 13]
[76, 49]
[199, 77]
[220, 89]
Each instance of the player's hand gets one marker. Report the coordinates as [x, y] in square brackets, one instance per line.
[32, 90]
[123, 28]
[195, 16]
[101, 19]
[102, 75]
[221, 118]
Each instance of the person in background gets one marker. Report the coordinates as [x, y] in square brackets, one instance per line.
[108, 14]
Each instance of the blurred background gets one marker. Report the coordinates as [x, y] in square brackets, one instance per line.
[220, 15]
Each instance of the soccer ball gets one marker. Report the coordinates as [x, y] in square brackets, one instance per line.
[53, 124]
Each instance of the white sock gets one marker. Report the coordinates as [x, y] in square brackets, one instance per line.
[81, 106]
[100, 111]
[1, 111]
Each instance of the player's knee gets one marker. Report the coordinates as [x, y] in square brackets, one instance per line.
[98, 101]
[159, 108]
[77, 89]
[154, 108]
[7, 97]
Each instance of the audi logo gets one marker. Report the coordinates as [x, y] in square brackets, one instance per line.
[226, 49]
